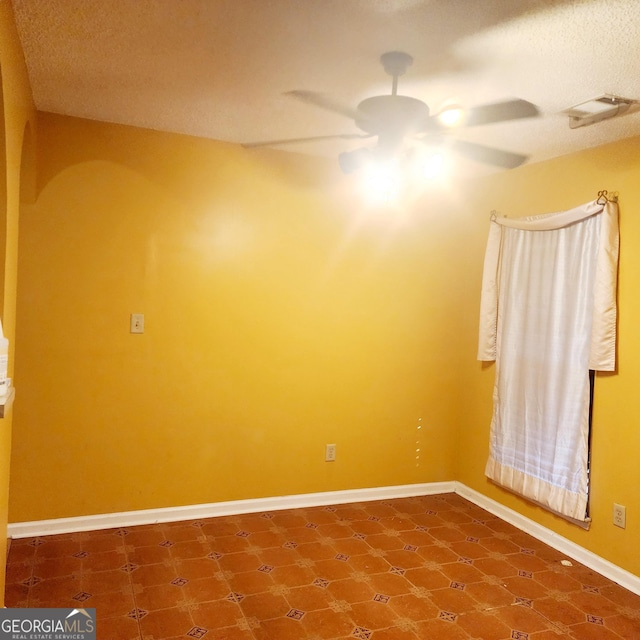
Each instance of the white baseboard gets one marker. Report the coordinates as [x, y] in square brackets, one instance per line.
[623, 577]
[236, 507]
[233, 507]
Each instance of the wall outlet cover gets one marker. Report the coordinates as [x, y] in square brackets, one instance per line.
[330, 453]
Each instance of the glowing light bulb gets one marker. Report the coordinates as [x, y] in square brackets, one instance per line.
[433, 166]
[451, 117]
[382, 181]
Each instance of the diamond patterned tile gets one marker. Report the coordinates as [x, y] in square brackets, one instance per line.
[558, 611]
[110, 605]
[264, 606]
[165, 623]
[101, 542]
[58, 591]
[423, 567]
[195, 568]
[153, 554]
[145, 536]
[427, 577]
[228, 544]
[122, 627]
[292, 575]
[414, 607]
[453, 600]
[442, 629]
[36, 542]
[369, 563]
[351, 546]
[328, 624]
[351, 590]
[437, 553]
[524, 619]
[186, 549]
[285, 628]
[159, 597]
[58, 567]
[333, 569]
[405, 558]
[217, 614]
[21, 551]
[403, 630]
[106, 560]
[239, 562]
[267, 539]
[152, 574]
[204, 590]
[58, 546]
[309, 598]
[462, 572]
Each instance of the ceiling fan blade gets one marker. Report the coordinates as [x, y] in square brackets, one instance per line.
[324, 102]
[488, 155]
[277, 143]
[500, 112]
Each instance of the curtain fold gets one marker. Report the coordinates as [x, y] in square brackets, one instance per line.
[547, 316]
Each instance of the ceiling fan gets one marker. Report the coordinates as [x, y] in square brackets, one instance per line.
[393, 118]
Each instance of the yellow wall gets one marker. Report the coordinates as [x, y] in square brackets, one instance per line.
[279, 318]
[16, 111]
[554, 186]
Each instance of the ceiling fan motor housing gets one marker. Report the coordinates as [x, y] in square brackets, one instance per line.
[392, 117]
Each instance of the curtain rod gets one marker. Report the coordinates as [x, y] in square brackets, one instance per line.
[603, 197]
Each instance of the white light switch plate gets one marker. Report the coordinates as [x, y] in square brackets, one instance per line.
[137, 323]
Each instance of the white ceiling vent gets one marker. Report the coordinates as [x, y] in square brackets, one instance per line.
[597, 109]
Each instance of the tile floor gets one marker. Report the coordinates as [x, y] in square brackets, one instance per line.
[434, 567]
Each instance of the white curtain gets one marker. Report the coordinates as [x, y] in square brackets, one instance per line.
[547, 316]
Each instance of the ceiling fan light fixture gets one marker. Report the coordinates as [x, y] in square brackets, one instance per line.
[451, 117]
[382, 180]
[434, 166]
[351, 161]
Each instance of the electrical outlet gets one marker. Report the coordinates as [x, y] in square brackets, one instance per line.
[330, 453]
[619, 515]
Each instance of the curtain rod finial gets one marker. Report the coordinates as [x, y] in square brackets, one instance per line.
[604, 196]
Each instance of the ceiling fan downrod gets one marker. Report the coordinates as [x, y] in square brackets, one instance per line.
[396, 63]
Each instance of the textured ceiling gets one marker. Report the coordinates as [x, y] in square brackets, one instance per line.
[220, 68]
